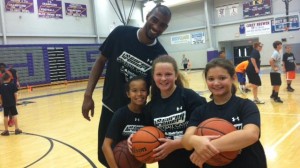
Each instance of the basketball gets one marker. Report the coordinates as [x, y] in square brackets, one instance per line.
[217, 126]
[144, 141]
[124, 158]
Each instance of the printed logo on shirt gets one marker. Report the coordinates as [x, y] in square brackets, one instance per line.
[236, 123]
[130, 129]
[170, 124]
[132, 66]
[290, 59]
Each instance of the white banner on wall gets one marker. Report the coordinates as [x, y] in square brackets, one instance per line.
[198, 38]
[186, 38]
[233, 9]
[221, 11]
[258, 28]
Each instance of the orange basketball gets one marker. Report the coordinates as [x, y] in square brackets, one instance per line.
[124, 158]
[144, 141]
[217, 126]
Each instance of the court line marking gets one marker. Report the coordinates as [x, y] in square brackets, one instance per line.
[285, 135]
[52, 139]
[50, 149]
[55, 94]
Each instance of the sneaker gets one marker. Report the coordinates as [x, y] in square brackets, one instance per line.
[257, 101]
[247, 90]
[290, 89]
[278, 100]
[5, 133]
[242, 90]
[18, 131]
[272, 96]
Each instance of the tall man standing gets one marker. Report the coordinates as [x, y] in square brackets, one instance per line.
[128, 51]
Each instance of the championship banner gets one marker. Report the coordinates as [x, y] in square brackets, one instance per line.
[221, 11]
[258, 28]
[181, 39]
[255, 8]
[198, 38]
[23, 6]
[50, 9]
[77, 10]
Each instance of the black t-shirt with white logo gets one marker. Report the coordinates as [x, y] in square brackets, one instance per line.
[171, 115]
[123, 124]
[289, 61]
[127, 57]
[239, 112]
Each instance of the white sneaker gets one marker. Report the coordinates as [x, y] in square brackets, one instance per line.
[257, 101]
[242, 90]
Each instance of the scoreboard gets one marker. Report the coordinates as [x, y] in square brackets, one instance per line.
[255, 8]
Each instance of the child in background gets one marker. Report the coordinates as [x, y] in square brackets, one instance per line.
[242, 113]
[2, 71]
[240, 70]
[126, 120]
[8, 99]
[289, 66]
[275, 73]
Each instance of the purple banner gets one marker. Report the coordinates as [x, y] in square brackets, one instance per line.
[256, 8]
[50, 9]
[77, 10]
[24, 6]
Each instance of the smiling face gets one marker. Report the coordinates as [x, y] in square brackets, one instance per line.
[164, 77]
[156, 24]
[137, 92]
[219, 82]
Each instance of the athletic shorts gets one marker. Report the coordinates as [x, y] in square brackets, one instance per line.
[241, 78]
[290, 75]
[185, 66]
[254, 78]
[275, 79]
[12, 110]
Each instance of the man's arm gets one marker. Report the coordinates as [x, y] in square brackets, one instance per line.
[88, 102]
[95, 75]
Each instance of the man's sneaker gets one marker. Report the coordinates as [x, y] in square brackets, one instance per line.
[257, 101]
[18, 131]
[5, 133]
[290, 89]
[278, 100]
[272, 96]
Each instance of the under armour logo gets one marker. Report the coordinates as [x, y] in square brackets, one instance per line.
[179, 108]
[149, 60]
[136, 119]
[235, 119]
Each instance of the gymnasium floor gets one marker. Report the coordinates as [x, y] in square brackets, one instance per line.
[56, 135]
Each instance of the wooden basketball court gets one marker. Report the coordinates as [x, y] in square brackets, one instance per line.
[56, 134]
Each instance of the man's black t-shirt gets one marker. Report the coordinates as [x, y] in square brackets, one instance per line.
[127, 57]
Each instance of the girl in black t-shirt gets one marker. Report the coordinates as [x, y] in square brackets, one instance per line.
[126, 120]
[169, 110]
[242, 113]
